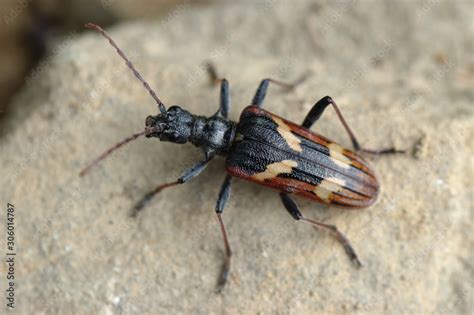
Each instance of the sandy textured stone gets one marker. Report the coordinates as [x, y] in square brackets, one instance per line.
[402, 75]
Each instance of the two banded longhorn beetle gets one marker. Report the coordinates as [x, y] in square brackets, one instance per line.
[265, 149]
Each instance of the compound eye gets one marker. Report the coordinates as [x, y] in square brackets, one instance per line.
[174, 108]
[149, 121]
[172, 136]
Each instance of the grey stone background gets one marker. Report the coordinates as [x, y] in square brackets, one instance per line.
[402, 73]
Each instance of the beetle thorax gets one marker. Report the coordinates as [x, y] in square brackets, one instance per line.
[213, 134]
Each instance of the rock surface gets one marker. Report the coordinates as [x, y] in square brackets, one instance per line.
[402, 75]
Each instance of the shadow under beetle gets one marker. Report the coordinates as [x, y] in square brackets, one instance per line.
[266, 149]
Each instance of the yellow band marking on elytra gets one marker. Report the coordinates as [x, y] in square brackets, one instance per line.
[327, 187]
[284, 130]
[337, 156]
[272, 170]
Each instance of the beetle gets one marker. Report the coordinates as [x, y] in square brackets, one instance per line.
[265, 149]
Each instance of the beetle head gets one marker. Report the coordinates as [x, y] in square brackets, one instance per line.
[174, 126]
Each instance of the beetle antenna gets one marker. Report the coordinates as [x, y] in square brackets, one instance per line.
[137, 74]
[115, 147]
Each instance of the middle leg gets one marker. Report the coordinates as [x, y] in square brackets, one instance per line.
[224, 195]
[263, 87]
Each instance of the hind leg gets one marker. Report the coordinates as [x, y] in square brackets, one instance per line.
[292, 208]
[317, 110]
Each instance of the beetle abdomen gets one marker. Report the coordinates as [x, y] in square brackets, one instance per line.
[279, 154]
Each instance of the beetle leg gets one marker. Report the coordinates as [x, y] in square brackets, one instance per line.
[263, 87]
[318, 110]
[225, 97]
[189, 174]
[224, 100]
[391, 150]
[292, 208]
[224, 195]
[212, 72]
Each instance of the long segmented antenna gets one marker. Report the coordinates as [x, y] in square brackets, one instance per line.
[99, 29]
[115, 147]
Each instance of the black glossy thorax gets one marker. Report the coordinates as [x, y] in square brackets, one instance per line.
[213, 134]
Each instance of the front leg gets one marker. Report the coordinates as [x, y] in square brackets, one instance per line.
[189, 174]
[224, 100]
[259, 95]
[225, 97]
